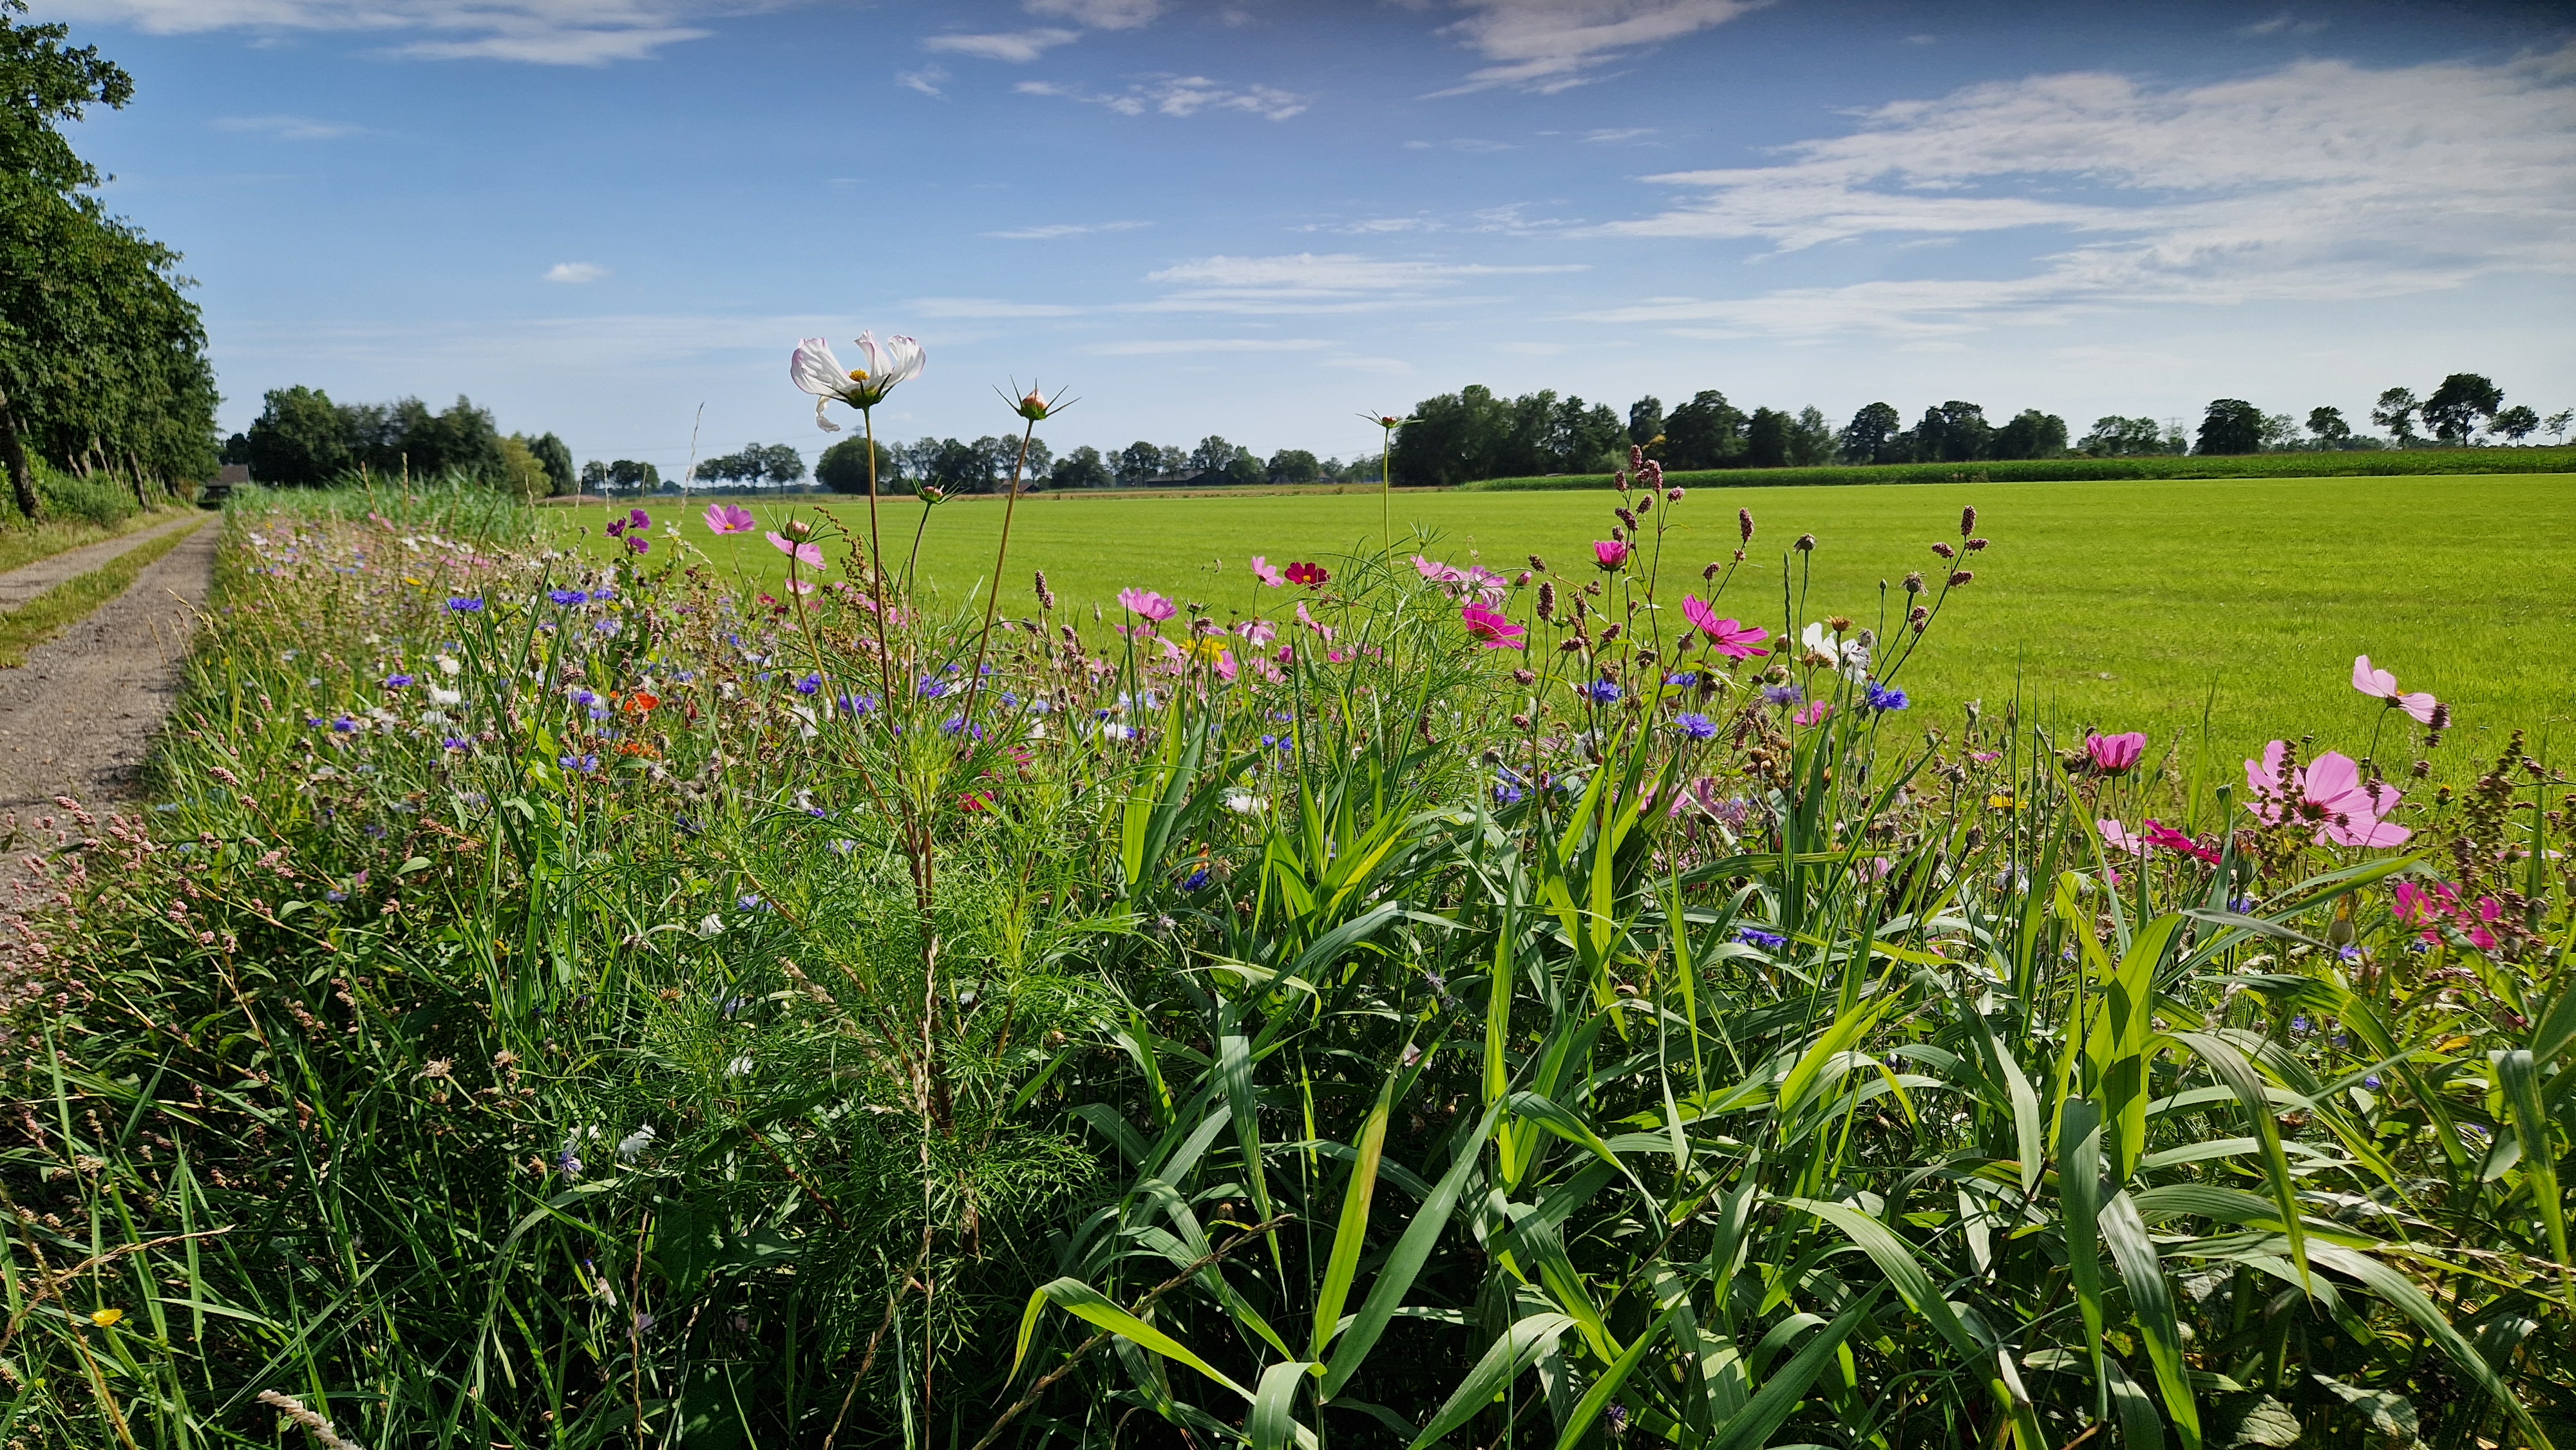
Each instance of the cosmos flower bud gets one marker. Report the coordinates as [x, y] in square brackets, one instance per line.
[1521, 581]
[1806, 543]
[1033, 407]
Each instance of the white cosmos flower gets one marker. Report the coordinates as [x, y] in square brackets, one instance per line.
[711, 928]
[1852, 654]
[815, 370]
[438, 696]
[1243, 802]
[633, 1145]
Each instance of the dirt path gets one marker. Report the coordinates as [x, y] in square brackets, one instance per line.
[20, 585]
[76, 718]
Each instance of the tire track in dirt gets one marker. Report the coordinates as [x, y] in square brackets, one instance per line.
[26, 582]
[77, 718]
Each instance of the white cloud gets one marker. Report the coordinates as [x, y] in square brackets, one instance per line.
[575, 272]
[1099, 14]
[1308, 283]
[925, 80]
[289, 128]
[1019, 46]
[1064, 229]
[970, 307]
[1179, 96]
[1613, 135]
[1155, 347]
[1388, 366]
[2320, 181]
[544, 32]
[1549, 45]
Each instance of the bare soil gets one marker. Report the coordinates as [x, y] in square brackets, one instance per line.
[77, 718]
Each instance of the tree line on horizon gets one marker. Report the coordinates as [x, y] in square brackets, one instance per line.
[103, 366]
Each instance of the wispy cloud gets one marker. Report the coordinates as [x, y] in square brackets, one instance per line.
[1613, 135]
[1099, 14]
[1309, 282]
[1064, 229]
[1550, 45]
[575, 272]
[1153, 347]
[1474, 146]
[2321, 181]
[1012, 45]
[972, 307]
[926, 80]
[289, 128]
[543, 32]
[1178, 96]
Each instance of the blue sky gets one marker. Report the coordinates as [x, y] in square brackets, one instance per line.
[1262, 218]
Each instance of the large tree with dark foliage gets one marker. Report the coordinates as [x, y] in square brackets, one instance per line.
[2031, 434]
[2232, 425]
[102, 356]
[2455, 407]
[302, 438]
[1872, 434]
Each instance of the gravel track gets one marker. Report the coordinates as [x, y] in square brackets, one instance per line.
[77, 718]
[22, 584]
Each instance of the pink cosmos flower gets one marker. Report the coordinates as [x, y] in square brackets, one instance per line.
[1733, 640]
[2329, 794]
[1308, 620]
[1257, 632]
[1146, 602]
[1610, 553]
[1226, 669]
[802, 553]
[725, 518]
[2381, 685]
[1814, 714]
[2115, 754]
[2167, 838]
[2429, 906]
[1310, 575]
[1437, 572]
[1494, 628]
[2118, 838]
[1262, 571]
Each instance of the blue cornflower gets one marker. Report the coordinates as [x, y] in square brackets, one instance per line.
[750, 901]
[567, 596]
[858, 704]
[464, 604]
[1686, 678]
[684, 676]
[334, 897]
[1882, 698]
[932, 689]
[608, 627]
[809, 684]
[599, 712]
[1754, 936]
[315, 722]
[1506, 793]
[397, 682]
[2350, 954]
[602, 593]
[344, 726]
[584, 697]
[456, 742]
[2299, 1025]
[1695, 725]
[1009, 700]
[1783, 696]
[583, 763]
[1603, 693]
[1195, 879]
[2371, 1082]
[956, 724]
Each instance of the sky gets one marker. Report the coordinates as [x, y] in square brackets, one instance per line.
[613, 219]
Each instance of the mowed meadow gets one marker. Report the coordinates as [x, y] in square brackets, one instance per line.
[2132, 605]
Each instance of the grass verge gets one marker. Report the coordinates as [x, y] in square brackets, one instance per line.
[32, 544]
[73, 600]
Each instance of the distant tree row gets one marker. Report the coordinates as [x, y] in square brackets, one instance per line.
[303, 439]
[102, 356]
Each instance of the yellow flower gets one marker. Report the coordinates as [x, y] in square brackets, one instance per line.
[2003, 801]
[107, 1318]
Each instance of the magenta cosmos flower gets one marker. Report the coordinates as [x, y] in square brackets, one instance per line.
[2381, 685]
[1609, 553]
[2328, 794]
[802, 553]
[2115, 754]
[1146, 602]
[725, 518]
[1493, 627]
[1733, 640]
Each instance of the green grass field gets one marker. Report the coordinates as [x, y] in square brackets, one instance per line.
[2387, 462]
[2118, 605]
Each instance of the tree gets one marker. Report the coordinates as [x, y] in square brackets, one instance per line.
[1811, 439]
[2455, 407]
[1871, 430]
[2327, 426]
[1212, 455]
[2116, 437]
[1039, 464]
[1293, 465]
[2231, 425]
[1245, 470]
[2515, 424]
[843, 468]
[1082, 468]
[1955, 432]
[1646, 421]
[1137, 462]
[1766, 439]
[634, 477]
[2031, 434]
[556, 459]
[2557, 423]
[2279, 431]
[594, 477]
[1706, 432]
[522, 476]
[299, 438]
[2395, 412]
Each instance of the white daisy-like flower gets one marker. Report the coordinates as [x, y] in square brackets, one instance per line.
[814, 369]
